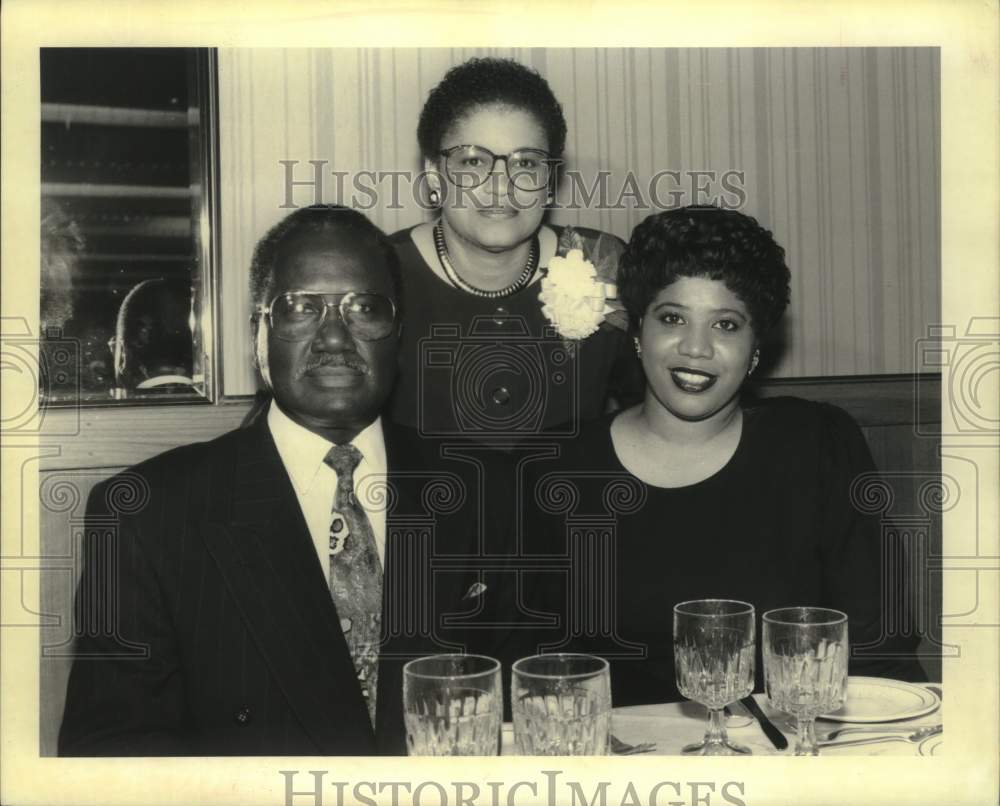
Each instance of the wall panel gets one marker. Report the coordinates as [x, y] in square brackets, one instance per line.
[839, 150]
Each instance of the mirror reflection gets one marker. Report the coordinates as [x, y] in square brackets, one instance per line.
[124, 269]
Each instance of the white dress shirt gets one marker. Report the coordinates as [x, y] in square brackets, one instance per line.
[315, 482]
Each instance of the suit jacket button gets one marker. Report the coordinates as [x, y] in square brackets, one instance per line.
[501, 396]
[244, 715]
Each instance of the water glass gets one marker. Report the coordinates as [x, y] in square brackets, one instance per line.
[805, 666]
[453, 705]
[714, 664]
[561, 705]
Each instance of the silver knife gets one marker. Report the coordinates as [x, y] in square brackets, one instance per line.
[776, 737]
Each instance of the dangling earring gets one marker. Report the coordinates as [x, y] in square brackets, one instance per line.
[754, 361]
[638, 347]
[435, 198]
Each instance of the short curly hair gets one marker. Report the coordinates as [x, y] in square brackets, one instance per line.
[709, 242]
[307, 220]
[481, 82]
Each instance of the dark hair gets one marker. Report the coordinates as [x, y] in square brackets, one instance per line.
[706, 242]
[153, 330]
[479, 82]
[307, 220]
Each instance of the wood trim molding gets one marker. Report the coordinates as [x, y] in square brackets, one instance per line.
[122, 436]
[872, 400]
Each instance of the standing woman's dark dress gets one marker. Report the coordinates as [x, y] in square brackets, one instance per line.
[491, 369]
[493, 381]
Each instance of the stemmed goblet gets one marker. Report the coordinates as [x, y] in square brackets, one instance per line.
[805, 666]
[714, 663]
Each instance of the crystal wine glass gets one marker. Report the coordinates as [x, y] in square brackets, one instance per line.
[714, 662]
[805, 666]
[452, 705]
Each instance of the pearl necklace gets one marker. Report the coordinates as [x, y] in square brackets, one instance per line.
[522, 280]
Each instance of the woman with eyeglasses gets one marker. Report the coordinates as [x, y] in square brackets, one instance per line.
[504, 334]
[485, 351]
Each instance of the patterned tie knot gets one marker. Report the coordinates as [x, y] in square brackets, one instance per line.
[343, 459]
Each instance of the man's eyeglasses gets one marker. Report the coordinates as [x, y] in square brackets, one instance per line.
[469, 166]
[298, 315]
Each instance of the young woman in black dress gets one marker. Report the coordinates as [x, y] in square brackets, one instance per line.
[696, 493]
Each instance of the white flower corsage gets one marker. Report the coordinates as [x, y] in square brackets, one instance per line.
[575, 292]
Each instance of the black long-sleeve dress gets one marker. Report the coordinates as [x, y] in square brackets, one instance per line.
[494, 369]
[782, 523]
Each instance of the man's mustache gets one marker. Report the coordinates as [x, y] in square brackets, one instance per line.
[351, 360]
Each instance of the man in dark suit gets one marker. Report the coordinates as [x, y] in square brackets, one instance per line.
[259, 593]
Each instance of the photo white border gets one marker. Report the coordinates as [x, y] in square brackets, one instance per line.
[965, 31]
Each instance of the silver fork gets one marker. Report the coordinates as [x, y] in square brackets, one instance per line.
[916, 736]
[620, 748]
[837, 732]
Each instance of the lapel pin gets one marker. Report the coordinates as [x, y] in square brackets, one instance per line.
[475, 589]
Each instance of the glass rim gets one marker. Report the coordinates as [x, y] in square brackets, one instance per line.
[746, 607]
[832, 617]
[603, 663]
[494, 666]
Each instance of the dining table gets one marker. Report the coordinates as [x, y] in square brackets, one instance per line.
[670, 726]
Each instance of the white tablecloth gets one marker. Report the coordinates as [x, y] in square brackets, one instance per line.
[673, 725]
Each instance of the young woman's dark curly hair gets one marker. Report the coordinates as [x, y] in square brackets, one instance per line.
[480, 82]
[705, 242]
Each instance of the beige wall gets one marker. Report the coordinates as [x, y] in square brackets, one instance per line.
[839, 150]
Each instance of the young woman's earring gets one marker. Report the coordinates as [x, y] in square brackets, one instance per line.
[435, 197]
[638, 347]
[754, 361]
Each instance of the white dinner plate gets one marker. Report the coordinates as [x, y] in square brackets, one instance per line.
[875, 699]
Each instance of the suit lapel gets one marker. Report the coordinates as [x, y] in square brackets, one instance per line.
[412, 593]
[265, 553]
[261, 544]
